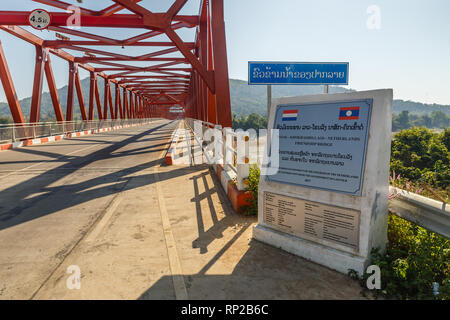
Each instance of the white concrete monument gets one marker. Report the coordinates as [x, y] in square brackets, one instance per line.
[328, 200]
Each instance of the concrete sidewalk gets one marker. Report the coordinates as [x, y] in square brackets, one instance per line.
[158, 232]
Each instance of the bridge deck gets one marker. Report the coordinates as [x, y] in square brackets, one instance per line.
[136, 228]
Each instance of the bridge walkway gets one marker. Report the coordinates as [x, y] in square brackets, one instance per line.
[135, 228]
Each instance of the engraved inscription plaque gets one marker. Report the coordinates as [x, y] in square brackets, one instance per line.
[302, 217]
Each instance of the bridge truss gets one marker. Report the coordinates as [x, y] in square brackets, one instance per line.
[200, 85]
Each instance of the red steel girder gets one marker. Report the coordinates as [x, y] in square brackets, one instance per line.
[91, 96]
[125, 103]
[59, 19]
[63, 5]
[53, 90]
[80, 94]
[207, 90]
[59, 43]
[135, 39]
[101, 59]
[97, 96]
[35, 110]
[69, 107]
[100, 39]
[10, 91]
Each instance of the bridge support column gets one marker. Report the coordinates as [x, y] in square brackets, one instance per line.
[69, 108]
[97, 97]
[53, 91]
[91, 96]
[10, 91]
[35, 110]
[80, 94]
[223, 106]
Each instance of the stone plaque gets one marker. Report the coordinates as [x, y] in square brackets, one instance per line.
[301, 217]
[323, 145]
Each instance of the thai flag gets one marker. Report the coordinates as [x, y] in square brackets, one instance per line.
[290, 115]
[349, 113]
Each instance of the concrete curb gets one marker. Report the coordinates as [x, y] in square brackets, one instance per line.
[169, 154]
[238, 198]
[31, 142]
[174, 141]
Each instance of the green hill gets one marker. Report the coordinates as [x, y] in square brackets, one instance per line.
[245, 100]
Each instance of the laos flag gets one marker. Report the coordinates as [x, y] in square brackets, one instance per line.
[290, 115]
[349, 113]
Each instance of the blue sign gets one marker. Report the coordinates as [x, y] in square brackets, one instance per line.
[323, 145]
[297, 73]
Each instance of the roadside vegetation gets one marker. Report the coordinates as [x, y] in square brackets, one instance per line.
[415, 258]
[5, 120]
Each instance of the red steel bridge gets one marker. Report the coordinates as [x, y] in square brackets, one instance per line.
[192, 75]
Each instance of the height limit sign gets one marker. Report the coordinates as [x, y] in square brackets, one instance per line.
[39, 19]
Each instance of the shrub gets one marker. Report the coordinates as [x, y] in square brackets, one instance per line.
[414, 259]
[253, 181]
[421, 155]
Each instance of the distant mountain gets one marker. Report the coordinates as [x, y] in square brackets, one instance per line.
[245, 99]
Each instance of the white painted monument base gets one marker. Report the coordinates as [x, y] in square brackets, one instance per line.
[315, 252]
[305, 211]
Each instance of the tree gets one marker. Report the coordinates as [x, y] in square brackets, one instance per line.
[403, 120]
[418, 154]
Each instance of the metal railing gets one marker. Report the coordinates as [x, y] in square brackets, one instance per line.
[25, 131]
[233, 149]
[430, 214]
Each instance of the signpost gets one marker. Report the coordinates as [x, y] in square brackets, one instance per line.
[328, 200]
[296, 73]
[324, 73]
[39, 19]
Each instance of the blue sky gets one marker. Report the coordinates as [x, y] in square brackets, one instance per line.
[409, 53]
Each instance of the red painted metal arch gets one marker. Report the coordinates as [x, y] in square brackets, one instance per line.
[201, 89]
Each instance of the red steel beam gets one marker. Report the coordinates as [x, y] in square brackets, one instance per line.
[137, 39]
[206, 76]
[10, 91]
[91, 96]
[100, 39]
[112, 9]
[53, 90]
[133, 116]
[59, 43]
[208, 80]
[223, 106]
[121, 106]
[105, 100]
[155, 68]
[69, 107]
[63, 5]
[116, 102]
[59, 19]
[100, 59]
[125, 103]
[35, 110]
[110, 102]
[97, 97]
[80, 94]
